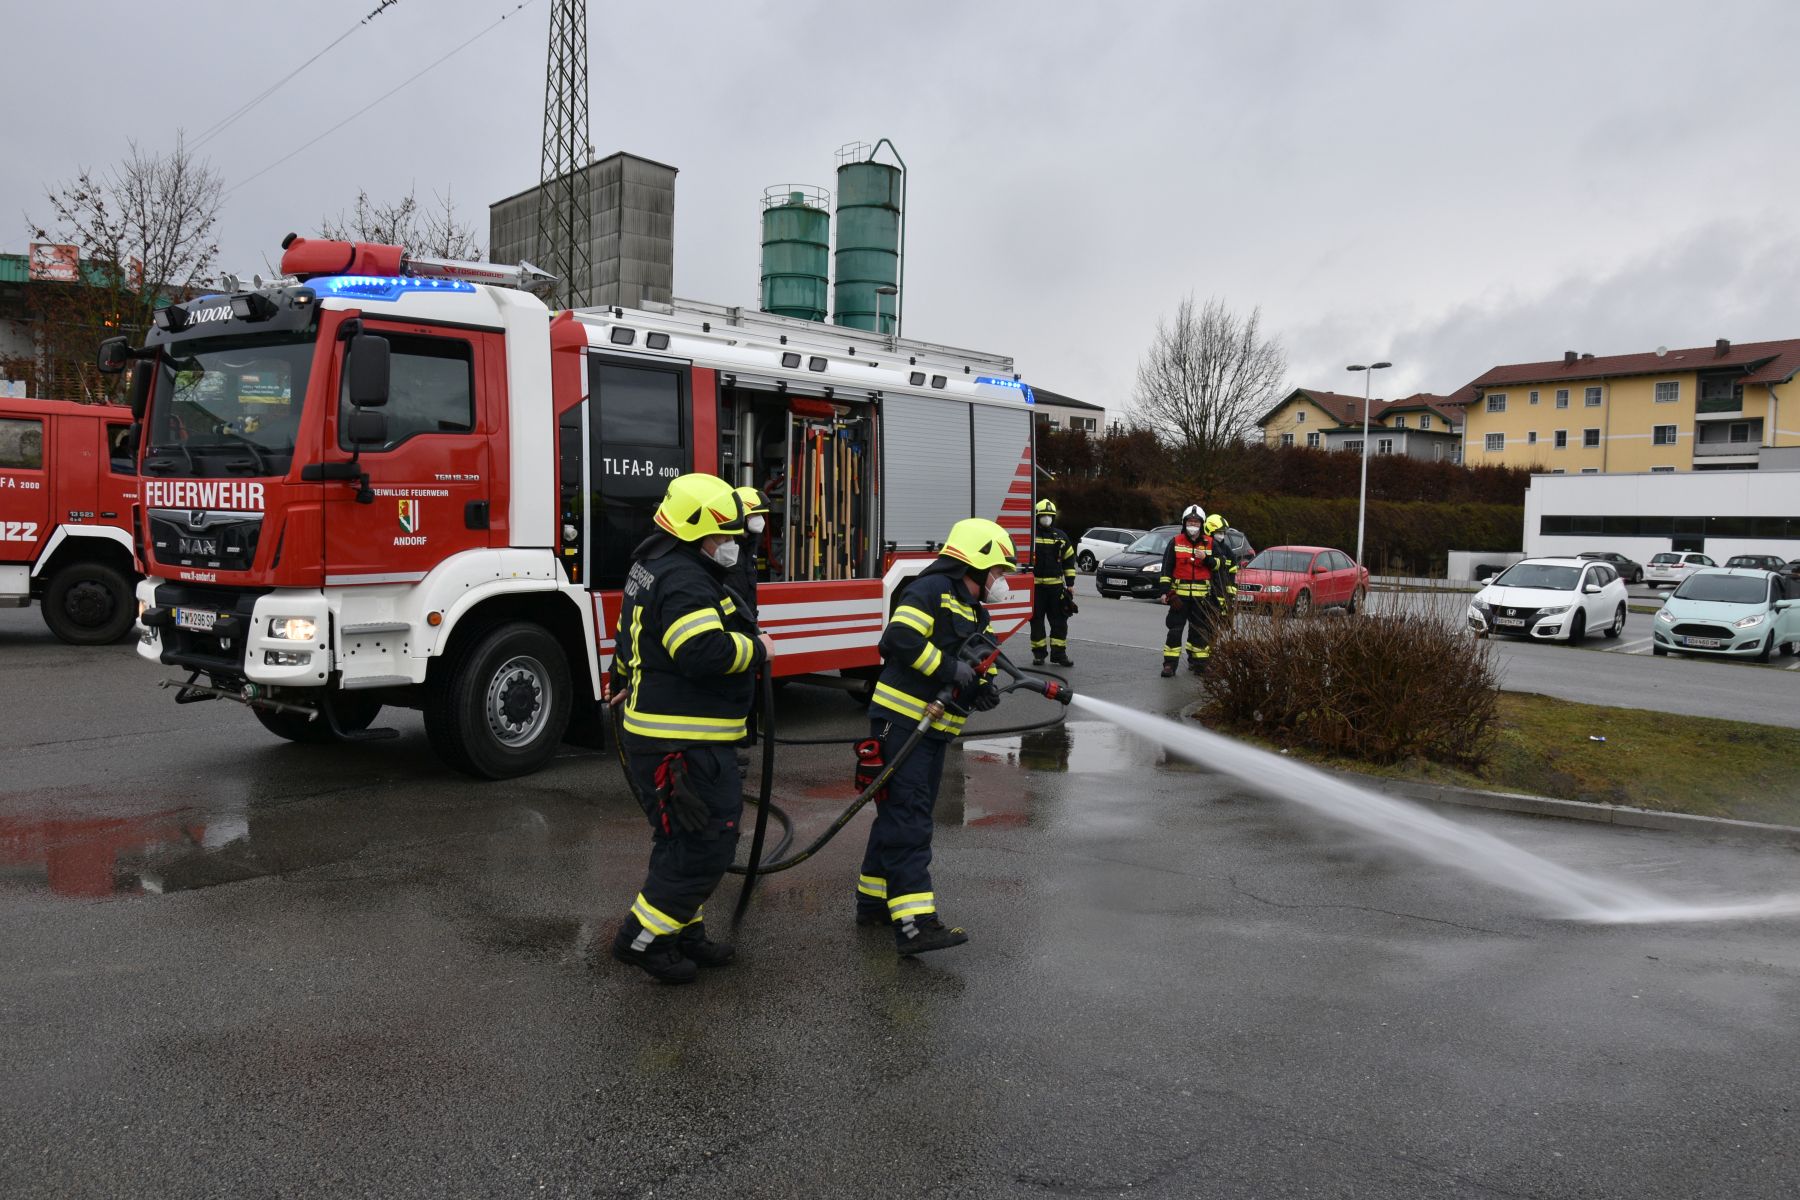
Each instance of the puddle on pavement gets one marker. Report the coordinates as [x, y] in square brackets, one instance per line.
[997, 785]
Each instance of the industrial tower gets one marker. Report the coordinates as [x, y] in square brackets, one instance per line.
[565, 198]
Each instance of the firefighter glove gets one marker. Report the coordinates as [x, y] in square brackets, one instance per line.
[986, 696]
[965, 676]
[677, 802]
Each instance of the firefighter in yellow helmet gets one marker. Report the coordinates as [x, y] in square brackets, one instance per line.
[750, 547]
[1224, 589]
[1053, 591]
[684, 672]
[935, 616]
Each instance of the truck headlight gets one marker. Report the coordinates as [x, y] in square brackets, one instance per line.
[292, 629]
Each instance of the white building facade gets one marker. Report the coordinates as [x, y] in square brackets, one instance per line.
[1716, 513]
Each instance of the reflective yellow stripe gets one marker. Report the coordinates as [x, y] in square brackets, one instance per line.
[914, 618]
[653, 918]
[956, 606]
[697, 622]
[899, 701]
[682, 728]
[929, 660]
[726, 606]
[949, 723]
[915, 905]
[872, 885]
[746, 654]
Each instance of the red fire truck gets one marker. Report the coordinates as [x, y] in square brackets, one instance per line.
[402, 482]
[67, 483]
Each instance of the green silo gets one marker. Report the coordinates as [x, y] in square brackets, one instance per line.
[796, 251]
[868, 241]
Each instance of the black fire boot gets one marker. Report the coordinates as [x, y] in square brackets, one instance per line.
[1061, 658]
[1037, 658]
[1197, 666]
[659, 957]
[916, 935]
[695, 945]
[871, 916]
[1168, 670]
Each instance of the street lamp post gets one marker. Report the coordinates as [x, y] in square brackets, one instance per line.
[886, 289]
[1362, 491]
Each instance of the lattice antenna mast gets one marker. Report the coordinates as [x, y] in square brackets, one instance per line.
[565, 200]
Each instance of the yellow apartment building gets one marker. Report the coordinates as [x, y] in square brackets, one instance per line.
[1706, 409]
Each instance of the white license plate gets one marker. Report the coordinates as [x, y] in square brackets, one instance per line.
[1118, 583]
[1515, 621]
[1246, 597]
[1702, 643]
[196, 618]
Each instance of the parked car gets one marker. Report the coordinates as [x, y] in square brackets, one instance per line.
[1630, 570]
[1239, 545]
[1137, 570]
[1299, 579]
[1670, 567]
[1756, 562]
[1732, 613]
[1551, 599]
[1100, 543]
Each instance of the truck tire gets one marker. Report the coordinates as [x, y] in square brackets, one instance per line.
[89, 603]
[500, 710]
[355, 712]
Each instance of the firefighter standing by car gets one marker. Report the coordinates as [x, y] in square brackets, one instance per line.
[1190, 565]
[1053, 593]
[921, 650]
[684, 675]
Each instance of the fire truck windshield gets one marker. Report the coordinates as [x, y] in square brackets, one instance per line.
[229, 406]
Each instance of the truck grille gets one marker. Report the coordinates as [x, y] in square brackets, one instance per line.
[214, 541]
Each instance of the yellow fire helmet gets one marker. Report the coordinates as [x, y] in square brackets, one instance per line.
[753, 500]
[982, 544]
[1215, 523]
[1047, 508]
[698, 506]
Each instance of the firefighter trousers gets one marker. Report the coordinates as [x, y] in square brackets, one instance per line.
[896, 867]
[1050, 605]
[685, 866]
[1197, 616]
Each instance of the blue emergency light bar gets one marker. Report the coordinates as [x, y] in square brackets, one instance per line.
[383, 287]
[1014, 384]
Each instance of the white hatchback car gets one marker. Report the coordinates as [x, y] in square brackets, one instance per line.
[1551, 600]
[1672, 567]
[1101, 543]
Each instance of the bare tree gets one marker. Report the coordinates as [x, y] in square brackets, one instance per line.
[405, 222]
[1208, 375]
[145, 233]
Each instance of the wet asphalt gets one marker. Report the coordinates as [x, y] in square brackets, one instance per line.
[235, 967]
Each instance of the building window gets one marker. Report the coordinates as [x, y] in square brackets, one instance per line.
[1562, 439]
[1559, 471]
[1354, 447]
[1662, 435]
[1494, 443]
[1083, 424]
[1531, 438]
[1590, 438]
[1496, 402]
[1534, 397]
[1590, 470]
[1300, 417]
[1424, 420]
[1384, 445]
[1400, 422]
[1662, 470]
[1456, 454]
[1312, 441]
[1287, 439]
[1591, 397]
[1562, 397]
[1668, 393]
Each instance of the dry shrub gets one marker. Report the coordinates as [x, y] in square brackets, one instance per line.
[1378, 688]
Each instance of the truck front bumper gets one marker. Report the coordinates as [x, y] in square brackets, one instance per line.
[233, 636]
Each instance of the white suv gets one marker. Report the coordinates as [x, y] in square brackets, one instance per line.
[1672, 567]
[1551, 599]
[1101, 543]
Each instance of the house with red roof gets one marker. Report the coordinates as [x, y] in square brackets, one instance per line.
[1421, 425]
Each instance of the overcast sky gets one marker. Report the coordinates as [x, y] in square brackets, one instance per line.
[1445, 184]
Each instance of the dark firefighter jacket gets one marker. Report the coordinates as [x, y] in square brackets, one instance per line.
[1053, 558]
[932, 620]
[686, 651]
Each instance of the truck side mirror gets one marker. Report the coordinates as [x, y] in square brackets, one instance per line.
[114, 353]
[142, 380]
[366, 428]
[366, 368]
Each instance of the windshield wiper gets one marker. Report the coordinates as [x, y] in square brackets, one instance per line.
[193, 468]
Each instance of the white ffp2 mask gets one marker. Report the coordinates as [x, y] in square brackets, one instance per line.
[997, 591]
[726, 555]
[755, 524]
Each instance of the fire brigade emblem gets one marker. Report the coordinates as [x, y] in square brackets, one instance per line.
[409, 516]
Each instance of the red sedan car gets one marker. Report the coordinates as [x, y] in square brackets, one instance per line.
[1300, 579]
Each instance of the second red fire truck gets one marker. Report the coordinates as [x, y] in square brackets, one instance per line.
[399, 482]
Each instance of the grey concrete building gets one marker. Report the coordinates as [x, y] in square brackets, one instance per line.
[633, 233]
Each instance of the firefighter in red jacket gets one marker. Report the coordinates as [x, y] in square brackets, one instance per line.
[1053, 590]
[1190, 565]
[684, 673]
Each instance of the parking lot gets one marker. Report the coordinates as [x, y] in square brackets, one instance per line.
[241, 967]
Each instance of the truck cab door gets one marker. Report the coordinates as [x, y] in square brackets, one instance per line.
[430, 489]
[26, 448]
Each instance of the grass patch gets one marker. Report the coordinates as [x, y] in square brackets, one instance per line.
[1653, 760]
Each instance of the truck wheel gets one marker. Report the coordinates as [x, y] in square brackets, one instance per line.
[501, 709]
[89, 604]
[355, 712]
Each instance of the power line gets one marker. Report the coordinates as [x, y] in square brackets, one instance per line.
[371, 104]
[219, 127]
